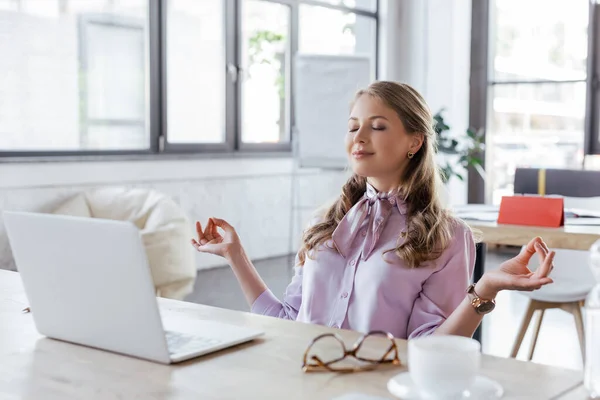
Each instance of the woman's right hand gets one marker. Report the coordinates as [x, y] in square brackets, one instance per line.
[211, 241]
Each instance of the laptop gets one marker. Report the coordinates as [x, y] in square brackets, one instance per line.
[88, 282]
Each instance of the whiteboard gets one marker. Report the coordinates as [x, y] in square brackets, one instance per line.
[324, 87]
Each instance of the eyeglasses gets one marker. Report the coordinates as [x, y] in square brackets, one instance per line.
[359, 351]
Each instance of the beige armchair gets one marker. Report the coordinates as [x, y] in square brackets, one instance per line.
[164, 228]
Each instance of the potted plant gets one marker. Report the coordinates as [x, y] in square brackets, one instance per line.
[466, 149]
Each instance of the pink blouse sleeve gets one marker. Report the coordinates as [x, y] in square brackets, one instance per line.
[445, 289]
[268, 304]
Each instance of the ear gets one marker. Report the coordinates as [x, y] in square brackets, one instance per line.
[416, 142]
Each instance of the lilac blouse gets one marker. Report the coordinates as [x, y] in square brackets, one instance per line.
[360, 288]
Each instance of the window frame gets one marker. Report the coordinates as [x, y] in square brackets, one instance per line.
[157, 89]
[480, 82]
[592, 112]
[293, 49]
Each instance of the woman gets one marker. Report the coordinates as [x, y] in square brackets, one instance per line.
[386, 255]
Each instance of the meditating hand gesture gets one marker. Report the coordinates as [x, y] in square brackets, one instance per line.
[211, 241]
[514, 274]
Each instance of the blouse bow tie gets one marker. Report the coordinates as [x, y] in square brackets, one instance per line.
[377, 207]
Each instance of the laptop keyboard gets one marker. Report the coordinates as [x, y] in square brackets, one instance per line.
[182, 343]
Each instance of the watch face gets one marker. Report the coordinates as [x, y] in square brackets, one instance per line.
[486, 307]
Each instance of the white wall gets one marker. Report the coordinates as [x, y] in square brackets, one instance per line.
[254, 195]
[435, 59]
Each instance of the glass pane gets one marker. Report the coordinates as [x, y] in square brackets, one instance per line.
[539, 39]
[327, 31]
[266, 61]
[368, 5]
[195, 71]
[73, 75]
[115, 58]
[533, 125]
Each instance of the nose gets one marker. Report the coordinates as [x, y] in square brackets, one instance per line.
[361, 135]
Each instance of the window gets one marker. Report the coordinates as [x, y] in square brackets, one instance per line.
[195, 71]
[265, 72]
[537, 85]
[112, 70]
[95, 77]
[73, 75]
[346, 33]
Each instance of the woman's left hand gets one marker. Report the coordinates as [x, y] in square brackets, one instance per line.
[514, 273]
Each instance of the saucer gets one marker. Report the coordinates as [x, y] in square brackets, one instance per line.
[483, 388]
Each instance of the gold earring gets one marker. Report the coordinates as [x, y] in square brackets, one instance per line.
[411, 154]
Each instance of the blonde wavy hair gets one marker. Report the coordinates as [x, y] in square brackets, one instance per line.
[430, 226]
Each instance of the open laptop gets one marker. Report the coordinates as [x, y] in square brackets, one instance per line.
[88, 282]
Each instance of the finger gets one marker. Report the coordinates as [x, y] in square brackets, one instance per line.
[211, 247]
[208, 248]
[547, 250]
[201, 238]
[526, 286]
[196, 245]
[541, 251]
[215, 231]
[545, 267]
[221, 223]
[528, 251]
[208, 230]
[529, 284]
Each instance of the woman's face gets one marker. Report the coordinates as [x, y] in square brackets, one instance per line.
[377, 143]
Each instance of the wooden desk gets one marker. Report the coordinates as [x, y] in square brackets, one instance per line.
[34, 367]
[574, 237]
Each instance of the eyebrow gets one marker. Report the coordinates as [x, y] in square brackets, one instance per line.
[371, 118]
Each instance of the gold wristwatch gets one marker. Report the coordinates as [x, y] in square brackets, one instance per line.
[481, 306]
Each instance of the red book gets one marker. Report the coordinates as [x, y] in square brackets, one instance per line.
[532, 211]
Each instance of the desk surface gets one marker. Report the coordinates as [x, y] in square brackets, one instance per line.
[34, 367]
[575, 237]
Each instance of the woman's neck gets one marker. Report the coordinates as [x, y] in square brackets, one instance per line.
[384, 186]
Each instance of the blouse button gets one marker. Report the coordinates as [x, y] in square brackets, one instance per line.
[353, 263]
[392, 200]
[344, 295]
[335, 326]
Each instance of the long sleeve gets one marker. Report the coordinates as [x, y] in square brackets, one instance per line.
[444, 290]
[268, 304]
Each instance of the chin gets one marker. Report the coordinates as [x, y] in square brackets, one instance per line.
[362, 170]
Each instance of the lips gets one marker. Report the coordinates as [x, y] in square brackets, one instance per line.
[361, 154]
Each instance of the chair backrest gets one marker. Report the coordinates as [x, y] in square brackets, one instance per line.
[564, 182]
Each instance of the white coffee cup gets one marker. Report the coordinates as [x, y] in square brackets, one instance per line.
[443, 366]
